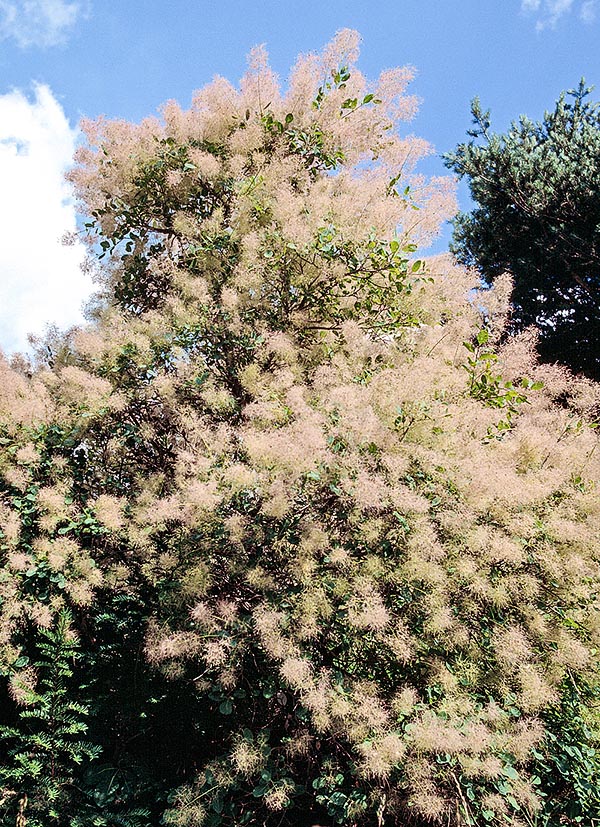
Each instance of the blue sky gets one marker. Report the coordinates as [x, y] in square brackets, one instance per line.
[64, 59]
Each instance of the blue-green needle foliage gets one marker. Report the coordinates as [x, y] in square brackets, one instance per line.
[537, 216]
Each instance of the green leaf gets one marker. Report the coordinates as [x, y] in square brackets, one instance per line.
[260, 790]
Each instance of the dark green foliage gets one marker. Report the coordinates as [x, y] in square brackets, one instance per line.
[44, 749]
[537, 216]
[569, 761]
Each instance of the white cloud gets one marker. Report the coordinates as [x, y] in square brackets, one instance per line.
[550, 12]
[41, 280]
[554, 11]
[588, 11]
[38, 22]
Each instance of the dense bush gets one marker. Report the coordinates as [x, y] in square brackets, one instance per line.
[323, 550]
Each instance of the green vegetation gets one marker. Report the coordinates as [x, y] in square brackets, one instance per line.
[537, 216]
[291, 532]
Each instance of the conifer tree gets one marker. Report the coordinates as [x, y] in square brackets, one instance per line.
[537, 216]
[348, 539]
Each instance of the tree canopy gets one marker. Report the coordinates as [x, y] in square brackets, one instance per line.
[536, 190]
[289, 535]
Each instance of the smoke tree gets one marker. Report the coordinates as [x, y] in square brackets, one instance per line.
[329, 550]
